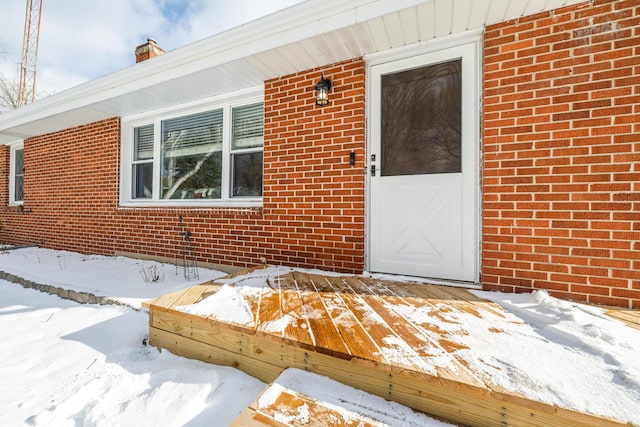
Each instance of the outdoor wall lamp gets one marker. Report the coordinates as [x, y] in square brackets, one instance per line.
[322, 91]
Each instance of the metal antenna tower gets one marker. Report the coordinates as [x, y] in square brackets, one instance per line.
[31, 37]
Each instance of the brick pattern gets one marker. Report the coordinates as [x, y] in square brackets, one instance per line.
[148, 50]
[313, 211]
[561, 185]
[70, 188]
[314, 195]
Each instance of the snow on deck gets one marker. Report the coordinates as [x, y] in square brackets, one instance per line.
[511, 346]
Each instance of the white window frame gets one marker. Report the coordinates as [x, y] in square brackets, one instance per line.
[12, 174]
[226, 103]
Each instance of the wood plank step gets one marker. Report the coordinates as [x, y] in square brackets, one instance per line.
[251, 418]
[290, 401]
[265, 355]
[300, 410]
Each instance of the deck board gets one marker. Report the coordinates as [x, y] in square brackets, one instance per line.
[195, 294]
[250, 418]
[356, 338]
[297, 331]
[425, 343]
[164, 301]
[630, 317]
[406, 346]
[266, 308]
[326, 336]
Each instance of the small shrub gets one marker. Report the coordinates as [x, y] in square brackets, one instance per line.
[152, 274]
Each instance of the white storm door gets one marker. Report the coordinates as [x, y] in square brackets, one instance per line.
[423, 165]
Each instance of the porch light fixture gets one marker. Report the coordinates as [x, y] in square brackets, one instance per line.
[322, 91]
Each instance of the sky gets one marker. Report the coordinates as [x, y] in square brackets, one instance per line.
[82, 40]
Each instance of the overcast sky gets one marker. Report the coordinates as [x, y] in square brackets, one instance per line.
[81, 40]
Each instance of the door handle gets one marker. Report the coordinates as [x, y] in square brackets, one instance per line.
[373, 170]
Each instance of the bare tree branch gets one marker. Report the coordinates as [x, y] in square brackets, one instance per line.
[8, 93]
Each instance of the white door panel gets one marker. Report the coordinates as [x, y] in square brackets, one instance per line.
[423, 213]
[417, 215]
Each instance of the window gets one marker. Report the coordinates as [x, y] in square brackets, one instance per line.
[421, 126]
[212, 156]
[246, 150]
[142, 162]
[16, 178]
[191, 150]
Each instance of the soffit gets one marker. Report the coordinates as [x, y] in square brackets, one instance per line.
[311, 34]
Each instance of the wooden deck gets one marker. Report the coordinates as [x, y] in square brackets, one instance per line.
[356, 331]
[628, 316]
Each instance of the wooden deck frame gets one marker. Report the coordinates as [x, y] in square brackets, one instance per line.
[265, 355]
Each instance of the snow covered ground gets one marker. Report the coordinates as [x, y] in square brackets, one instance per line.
[64, 363]
[69, 364]
[119, 278]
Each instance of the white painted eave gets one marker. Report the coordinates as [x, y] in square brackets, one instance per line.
[307, 35]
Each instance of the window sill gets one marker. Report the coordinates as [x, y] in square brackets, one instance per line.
[16, 207]
[226, 204]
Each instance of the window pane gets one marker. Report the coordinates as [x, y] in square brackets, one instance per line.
[19, 158]
[247, 174]
[143, 143]
[192, 156]
[191, 134]
[421, 120]
[192, 177]
[142, 180]
[18, 193]
[248, 126]
[18, 171]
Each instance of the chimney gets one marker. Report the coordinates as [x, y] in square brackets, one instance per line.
[148, 50]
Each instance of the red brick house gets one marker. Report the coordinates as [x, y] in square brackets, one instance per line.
[491, 143]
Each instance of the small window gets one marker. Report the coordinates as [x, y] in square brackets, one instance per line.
[143, 162]
[246, 150]
[16, 178]
[248, 126]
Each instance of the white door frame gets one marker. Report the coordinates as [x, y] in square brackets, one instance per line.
[472, 41]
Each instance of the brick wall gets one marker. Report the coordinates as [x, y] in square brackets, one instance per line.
[316, 199]
[561, 182]
[561, 169]
[69, 189]
[313, 211]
